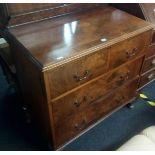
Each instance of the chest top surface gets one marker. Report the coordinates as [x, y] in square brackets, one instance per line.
[60, 39]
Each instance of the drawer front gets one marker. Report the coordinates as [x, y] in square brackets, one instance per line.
[80, 121]
[128, 49]
[146, 78]
[148, 64]
[85, 96]
[75, 73]
[151, 51]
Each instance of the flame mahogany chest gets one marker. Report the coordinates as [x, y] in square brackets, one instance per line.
[76, 63]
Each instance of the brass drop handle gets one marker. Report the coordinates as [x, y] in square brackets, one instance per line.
[132, 53]
[77, 103]
[153, 62]
[80, 126]
[125, 77]
[86, 74]
[151, 76]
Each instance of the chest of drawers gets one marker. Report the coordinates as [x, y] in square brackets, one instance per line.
[76, 70]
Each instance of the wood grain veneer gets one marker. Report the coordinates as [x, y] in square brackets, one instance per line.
[23, 13]
[54, 58]
[144, 11]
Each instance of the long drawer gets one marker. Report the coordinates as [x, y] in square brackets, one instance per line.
[75, 73]
[129, 49]
[84, 96]
[71, 126]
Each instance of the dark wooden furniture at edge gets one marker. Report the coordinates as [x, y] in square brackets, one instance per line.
[76, 63]
[146, 12]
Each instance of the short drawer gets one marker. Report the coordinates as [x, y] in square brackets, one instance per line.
[151, 51]
[148, 77]
[86, 95]
[148, 64]
[72, 126]
[129, 49]
[75, 73]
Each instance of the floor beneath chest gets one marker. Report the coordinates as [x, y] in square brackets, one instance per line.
[15, 134]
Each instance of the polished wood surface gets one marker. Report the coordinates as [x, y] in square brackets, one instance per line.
[142, 10]
[86, 95]
[86, 65]
[53, 41]
[23, 13]
[145, 11]
[75, 124]
[129, 49]
[77, 72]
[21, 8]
